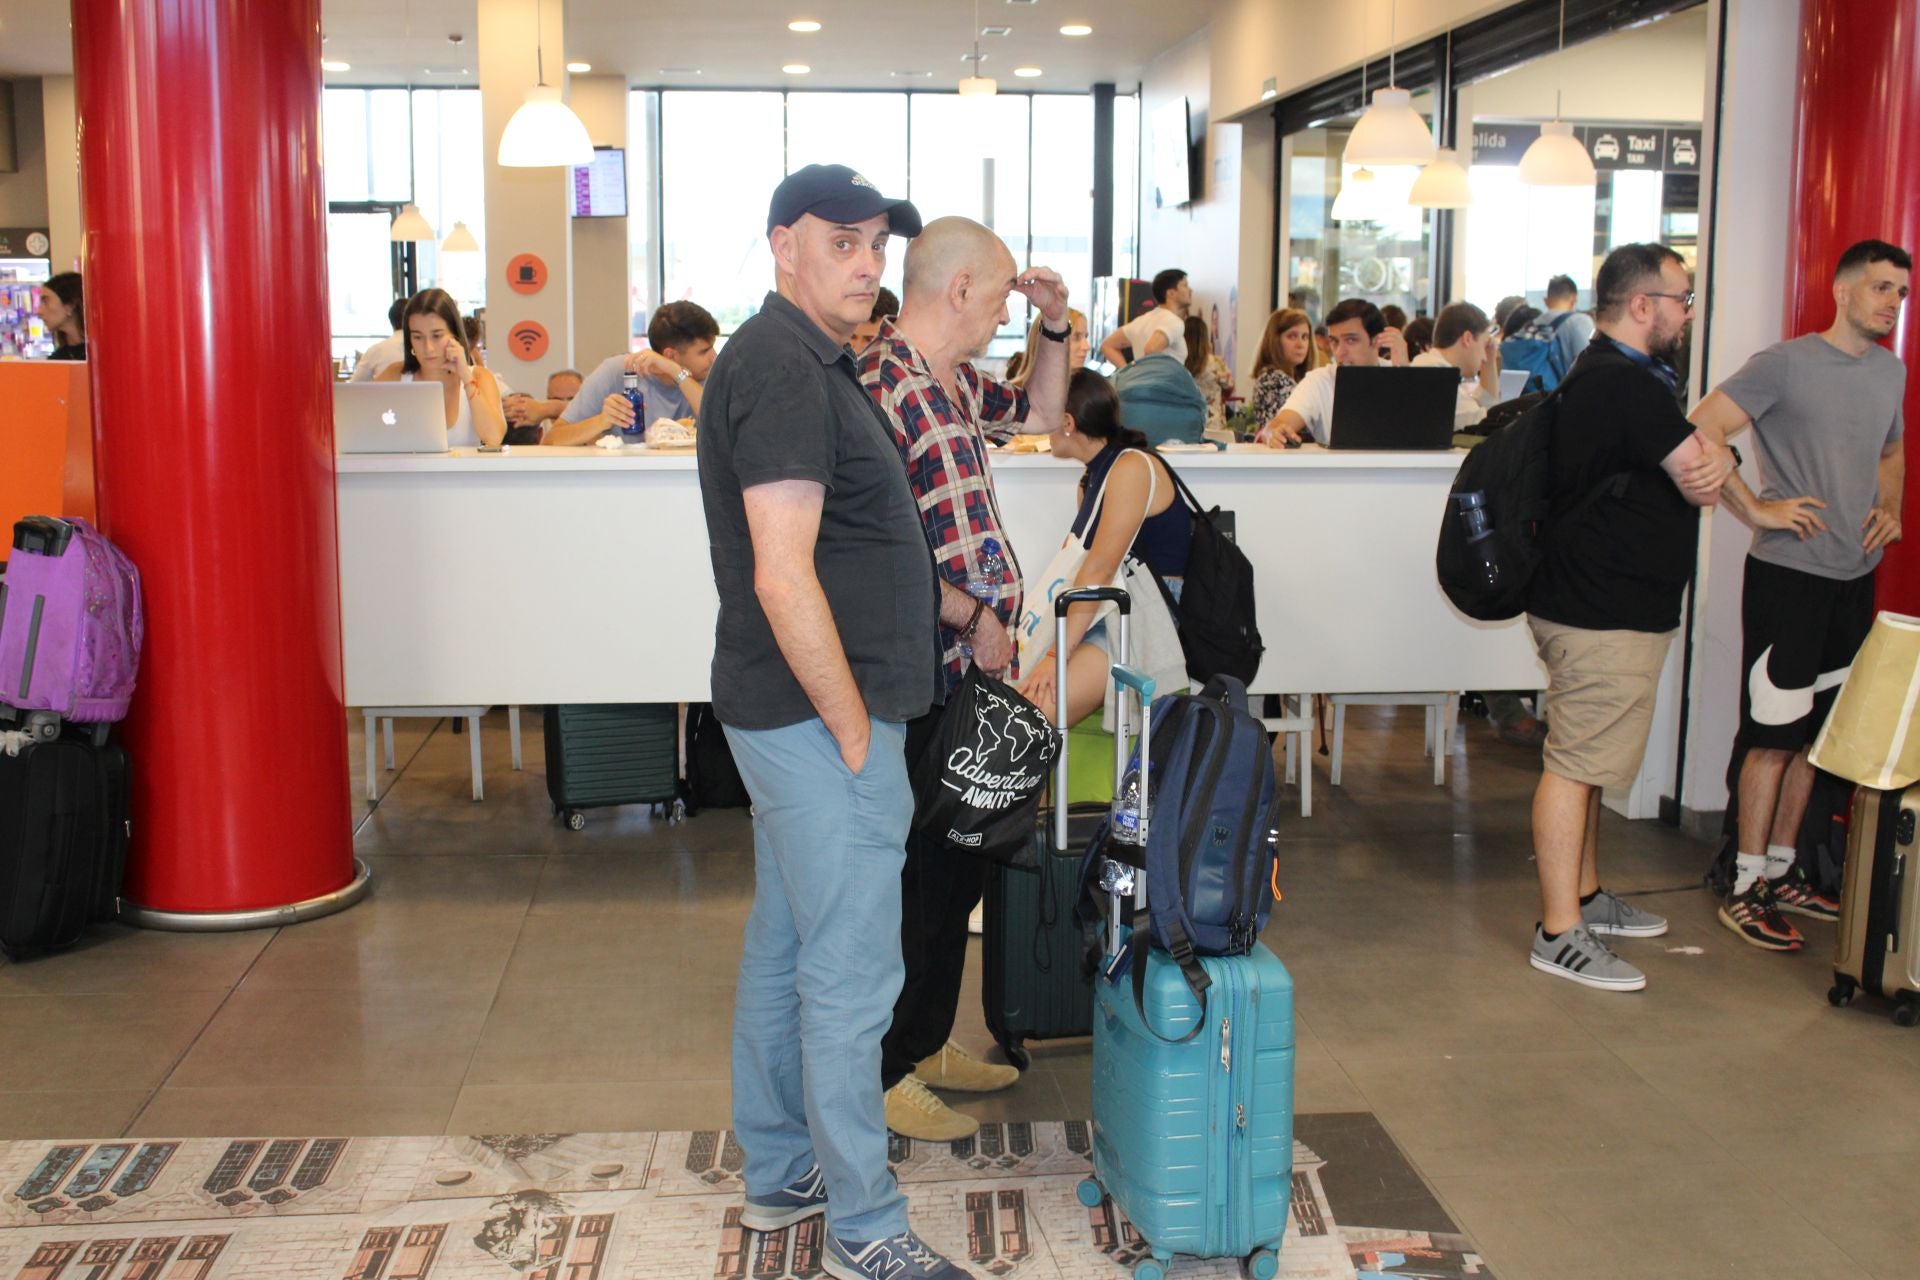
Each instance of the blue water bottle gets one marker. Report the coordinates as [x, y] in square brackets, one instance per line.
[630, 387]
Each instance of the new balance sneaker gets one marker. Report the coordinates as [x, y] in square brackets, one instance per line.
[1610, 914]
[1794, 892]
[902, 1257]
[913, 1112]
[805, 1196]
[1580, 957]
[955, 1069]
[1755, 916]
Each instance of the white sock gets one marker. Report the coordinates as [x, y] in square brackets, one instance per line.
[1747, 867]
[1780, 859]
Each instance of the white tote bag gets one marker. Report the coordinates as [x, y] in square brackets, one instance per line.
[1153, 637]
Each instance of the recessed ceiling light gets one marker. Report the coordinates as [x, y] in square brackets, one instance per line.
[1076, 29]
[911, 75]
[1026, 72]
[579, 68]
[996, 31]
[679, 71]
[334, 64]
[796, 68]
[805, 26]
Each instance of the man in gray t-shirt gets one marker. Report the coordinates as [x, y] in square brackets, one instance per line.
[1825, 413]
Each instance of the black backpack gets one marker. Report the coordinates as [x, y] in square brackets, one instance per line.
[713, 780]
[1512, 471]
[1218, 630]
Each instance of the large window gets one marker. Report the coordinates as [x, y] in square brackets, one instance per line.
[1021, 163]
[1353, 234]
[384, 148]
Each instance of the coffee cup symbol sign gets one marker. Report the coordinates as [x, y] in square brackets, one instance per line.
[527, 339]
[526, 273]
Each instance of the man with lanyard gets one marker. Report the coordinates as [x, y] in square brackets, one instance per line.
[943, 411]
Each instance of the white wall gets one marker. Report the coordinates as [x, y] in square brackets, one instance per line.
[1656, 72]
[63, 172]
[1748, 305]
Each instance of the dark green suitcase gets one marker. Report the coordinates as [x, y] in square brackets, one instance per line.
[1032, 982]
[611, 753]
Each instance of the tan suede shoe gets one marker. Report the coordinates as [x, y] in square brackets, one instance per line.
[913, 1112]
[955, 1069]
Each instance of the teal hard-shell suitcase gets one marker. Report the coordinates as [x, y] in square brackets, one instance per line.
[612, 753]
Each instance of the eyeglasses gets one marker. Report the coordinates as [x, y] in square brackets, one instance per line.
[1685, 299]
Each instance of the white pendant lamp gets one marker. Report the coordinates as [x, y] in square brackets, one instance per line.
[1442, 184]
[544, 132]
[408, 224]
[1557, 158]
[1390, 131]
[977, 85]
[1358, 200]
[460, 240]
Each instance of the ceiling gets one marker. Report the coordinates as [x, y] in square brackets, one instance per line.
[733, 43]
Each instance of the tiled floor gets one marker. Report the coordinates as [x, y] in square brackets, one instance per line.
[508, 975]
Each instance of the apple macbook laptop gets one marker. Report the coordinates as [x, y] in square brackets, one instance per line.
[1387, 408]
[389, 417]
[1513, 384]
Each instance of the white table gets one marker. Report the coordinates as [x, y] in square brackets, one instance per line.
[541, 575]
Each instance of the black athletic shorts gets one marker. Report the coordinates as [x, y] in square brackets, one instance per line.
[1799, 634]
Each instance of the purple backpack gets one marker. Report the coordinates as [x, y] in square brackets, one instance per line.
[70, 626]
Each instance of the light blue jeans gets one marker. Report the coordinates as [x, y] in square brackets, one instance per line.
[820, 968]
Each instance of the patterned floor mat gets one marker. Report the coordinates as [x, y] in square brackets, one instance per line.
[608, 1206]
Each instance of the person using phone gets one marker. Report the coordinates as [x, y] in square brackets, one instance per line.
[437, 350]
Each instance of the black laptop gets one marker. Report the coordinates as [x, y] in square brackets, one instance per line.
[1388, 408]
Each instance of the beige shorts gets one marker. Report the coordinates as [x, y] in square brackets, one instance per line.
[1599, 700]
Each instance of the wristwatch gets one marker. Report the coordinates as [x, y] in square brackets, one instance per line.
[979, 607]
[1051, 336]
[681, 377]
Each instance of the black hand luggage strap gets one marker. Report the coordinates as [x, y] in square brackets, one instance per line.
[1139, 944]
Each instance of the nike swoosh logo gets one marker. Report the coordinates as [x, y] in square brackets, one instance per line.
[1773, 705]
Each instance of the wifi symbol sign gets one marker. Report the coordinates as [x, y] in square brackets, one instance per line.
[527, 339]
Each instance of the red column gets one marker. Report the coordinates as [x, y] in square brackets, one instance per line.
[207, 325]
[1856, 176]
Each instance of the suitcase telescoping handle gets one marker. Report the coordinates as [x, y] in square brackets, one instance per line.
[1118, 597]
[1124, 678]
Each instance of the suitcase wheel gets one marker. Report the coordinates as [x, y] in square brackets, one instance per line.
[1840, 994]
[1089, 1193]
[1261, 1264]
[1017, 1054]
[1150, 1269]
[1906, 1013]
[576, 820]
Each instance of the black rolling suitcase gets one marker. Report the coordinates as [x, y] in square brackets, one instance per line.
[1033, 982]
[63, 842]
[601, 754]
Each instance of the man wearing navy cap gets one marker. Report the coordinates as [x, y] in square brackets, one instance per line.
[825, 647]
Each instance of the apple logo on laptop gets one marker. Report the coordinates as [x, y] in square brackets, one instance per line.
[386, 416]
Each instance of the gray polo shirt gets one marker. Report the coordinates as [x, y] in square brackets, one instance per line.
[662, 399]
[1820, 421]
[784, 402]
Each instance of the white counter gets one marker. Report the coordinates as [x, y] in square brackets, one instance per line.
[539, 575]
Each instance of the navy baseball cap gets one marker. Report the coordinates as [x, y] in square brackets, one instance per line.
[839, 194]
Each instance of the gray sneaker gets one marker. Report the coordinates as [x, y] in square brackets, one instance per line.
[1583, 958]
[1609, 913]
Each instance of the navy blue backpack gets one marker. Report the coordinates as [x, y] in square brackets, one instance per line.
[1211, 833]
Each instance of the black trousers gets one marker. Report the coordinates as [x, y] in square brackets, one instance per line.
[939, 886]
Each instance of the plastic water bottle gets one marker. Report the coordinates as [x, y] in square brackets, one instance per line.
[1123, 819]
[630, 387]
[1472, 508]
[984, 581]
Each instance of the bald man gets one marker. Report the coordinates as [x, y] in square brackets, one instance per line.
[943, 411]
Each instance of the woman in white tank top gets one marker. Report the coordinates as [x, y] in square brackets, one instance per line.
[437, 351]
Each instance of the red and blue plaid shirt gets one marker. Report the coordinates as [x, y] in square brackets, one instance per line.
[944, 446]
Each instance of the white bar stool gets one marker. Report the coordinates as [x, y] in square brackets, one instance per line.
[1296, 724]
[1442, 713]
[382, 718]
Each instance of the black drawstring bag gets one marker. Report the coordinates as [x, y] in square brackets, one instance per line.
[978, 786]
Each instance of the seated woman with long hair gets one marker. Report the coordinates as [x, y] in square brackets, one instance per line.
[1020, 363]
[1287, 354]
[1141, 512]
[437, 351]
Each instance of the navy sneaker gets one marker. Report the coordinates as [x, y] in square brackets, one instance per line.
[902, 1257]
[800, 1199]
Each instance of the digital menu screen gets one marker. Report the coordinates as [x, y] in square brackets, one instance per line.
[600, 188]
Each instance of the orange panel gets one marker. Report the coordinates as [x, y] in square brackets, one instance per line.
[46, 442]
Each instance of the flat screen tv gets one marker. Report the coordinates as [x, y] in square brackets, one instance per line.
[1172, 168]
[600, 188]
